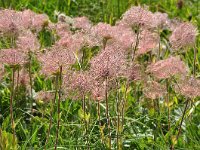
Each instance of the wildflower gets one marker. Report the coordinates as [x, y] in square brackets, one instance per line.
[134, 72]
[154, 90]
[7, 24]
[124, 36]
[44, 96]
[61, 28]
[82, 23]
[161, 20]
[77, 84]
[72, 42]
[91, 40]
[98, 91]
[12, 57]
[110, 62]
[103, 30]
[188, 87]
[39, 21]
[22, 77]
[138, 16]
[23, 20]
[27, 41]
[147, 42]
[166, 68]
[53, 59]
[183, 36]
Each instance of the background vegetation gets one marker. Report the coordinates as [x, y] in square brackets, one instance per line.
[31, 128]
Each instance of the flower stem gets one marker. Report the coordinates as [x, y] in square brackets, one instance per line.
[136, 44]
[184, 112]
[107, 115]
[180, 125]
[58, 111]
[194, 63]
[51, 112]
[118, 117]
[124, 103]
[168, 107]
[11, 103]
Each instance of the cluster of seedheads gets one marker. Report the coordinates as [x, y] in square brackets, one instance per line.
[133, 50]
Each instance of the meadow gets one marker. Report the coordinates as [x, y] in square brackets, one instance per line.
[99, 74]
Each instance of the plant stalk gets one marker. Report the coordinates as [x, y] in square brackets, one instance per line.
[168, 107]
[51, 112]
[180, 125]
[11, 103]
[107, 115]
[194, 63]
[59, 100]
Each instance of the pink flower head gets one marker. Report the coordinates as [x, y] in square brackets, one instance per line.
[44, 96]
[72, 42]
[110, 62]
[161, 20]
[124, 36]
[12, 57]
[188, 87]
[52, 60]
[184, 35]
[27, 41]
[98, 91]
[23, 19]
[166, 68]
[23, 78]
[103, 30]
[147, 42]
[138, 16]
[154, 90]
[7, 24]
[134, 72]
[91, 40]
[39, 21]
[77, 84]
[61, 29]
[82, 23]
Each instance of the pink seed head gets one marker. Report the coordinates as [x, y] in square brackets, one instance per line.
[183, 36]
[166, 68]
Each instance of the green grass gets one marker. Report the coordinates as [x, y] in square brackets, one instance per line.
[140, 116]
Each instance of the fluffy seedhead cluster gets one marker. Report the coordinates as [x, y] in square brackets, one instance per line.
[167, 68]
[44, 96]
[88, 61]
[188, 87]
[154, 90]
[12, 57]
[14, 22]
[184, 35]
[137, 33]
